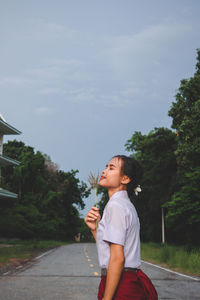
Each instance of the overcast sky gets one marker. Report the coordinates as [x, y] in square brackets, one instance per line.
[78, 77]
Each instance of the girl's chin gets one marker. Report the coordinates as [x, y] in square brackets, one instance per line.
[101, 183]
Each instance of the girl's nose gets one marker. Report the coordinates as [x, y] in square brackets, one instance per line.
[103, 172]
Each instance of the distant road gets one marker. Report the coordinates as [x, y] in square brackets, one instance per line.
[71, 273]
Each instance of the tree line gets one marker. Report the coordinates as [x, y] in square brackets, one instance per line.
[48, 198]
[171, 165]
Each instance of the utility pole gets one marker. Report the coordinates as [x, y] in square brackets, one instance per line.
[163, 226]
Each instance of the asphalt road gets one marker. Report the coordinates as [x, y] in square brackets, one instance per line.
[71, 272]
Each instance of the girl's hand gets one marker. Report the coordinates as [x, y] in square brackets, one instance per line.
[92, 217]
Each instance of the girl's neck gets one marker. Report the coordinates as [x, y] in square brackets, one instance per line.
[115, 190]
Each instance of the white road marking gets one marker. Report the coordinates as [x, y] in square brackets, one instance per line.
[168, 270]
[45, 253]
[19, 267]
[6, 273]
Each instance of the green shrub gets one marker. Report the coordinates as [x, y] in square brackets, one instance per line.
[175, 257]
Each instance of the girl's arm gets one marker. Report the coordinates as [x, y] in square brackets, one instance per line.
[115, 266]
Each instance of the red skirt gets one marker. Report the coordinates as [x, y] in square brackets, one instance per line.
[132, 285]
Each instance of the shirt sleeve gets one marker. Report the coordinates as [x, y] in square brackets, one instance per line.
[115, 225]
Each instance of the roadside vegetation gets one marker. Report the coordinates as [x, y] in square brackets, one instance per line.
[17, 251]
[179, 258]
[48, 200]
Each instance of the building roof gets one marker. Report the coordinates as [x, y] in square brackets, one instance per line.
[5, 128]
[5, 161]
[7, 194]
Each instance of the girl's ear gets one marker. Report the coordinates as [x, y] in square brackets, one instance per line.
[125, 179]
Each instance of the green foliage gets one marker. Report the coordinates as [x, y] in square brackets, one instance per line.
[177, 257]
[48, 198]
[20, 249]
[186, 120]
[183, 209]
[155, 152]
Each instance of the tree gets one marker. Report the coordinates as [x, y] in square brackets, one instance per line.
[183, 207]
[48, 198]
[155, 152]
[183, 217]
[185, 112]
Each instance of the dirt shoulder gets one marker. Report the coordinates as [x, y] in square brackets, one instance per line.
[16, 254]
[15, 263]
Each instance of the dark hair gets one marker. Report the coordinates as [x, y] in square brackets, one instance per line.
[132, 168]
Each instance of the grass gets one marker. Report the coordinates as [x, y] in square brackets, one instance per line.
[178, 258]
[19, 250]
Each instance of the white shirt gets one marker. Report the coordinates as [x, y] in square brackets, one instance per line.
[119, 225]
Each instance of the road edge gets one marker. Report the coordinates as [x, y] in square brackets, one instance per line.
[171, 271]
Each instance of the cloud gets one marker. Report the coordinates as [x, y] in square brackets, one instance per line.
[50, 91]
[39, 29]
[120, 97]
[14, 81]
[133, 54]
[64, 62]
[68, 77]
[139, 63]
[54, 70]
[85, 94]
[43, 111]
[121, 71]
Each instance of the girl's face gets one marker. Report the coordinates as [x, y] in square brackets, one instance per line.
[112, 177]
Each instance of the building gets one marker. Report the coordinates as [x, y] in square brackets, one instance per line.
[6, 129]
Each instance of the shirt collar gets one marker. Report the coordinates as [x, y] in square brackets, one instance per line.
[120, 195]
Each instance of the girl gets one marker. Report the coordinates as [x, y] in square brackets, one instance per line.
[117, 235]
